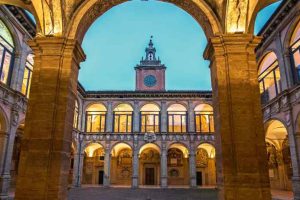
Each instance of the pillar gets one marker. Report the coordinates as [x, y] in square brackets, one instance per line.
[136, 117]
[5, 177]
[242, 171]
[107, 158]
[163, 167]
[109, 118]
[46, 146]
[164, 117]
[192, 166]
[135, 168]
[191, 117]
[78, 166]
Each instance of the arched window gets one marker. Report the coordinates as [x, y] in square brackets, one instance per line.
[76, 115]
[204, 119]
[177, 118]
[123, 118]
[27, 75]
[150, 118]
[269, 77]
[295, 51]
[6, 53]
[95, 118]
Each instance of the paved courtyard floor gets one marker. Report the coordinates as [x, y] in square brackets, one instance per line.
[121, 193]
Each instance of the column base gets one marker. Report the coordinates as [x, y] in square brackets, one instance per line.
[4, 186]
[135, 183]
[193, 183]
[296, 187]
[164, 183]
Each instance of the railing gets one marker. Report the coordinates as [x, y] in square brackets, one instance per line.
[148, 137]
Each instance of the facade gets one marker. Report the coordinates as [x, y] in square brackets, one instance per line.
[152, 136]
[149, 136]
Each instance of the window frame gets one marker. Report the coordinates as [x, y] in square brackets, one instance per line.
[177, 113]
[98, 113]
[119, 114]
[270, 69]
[210, 116]
[12, 59]
[150, 113]
[296, 74]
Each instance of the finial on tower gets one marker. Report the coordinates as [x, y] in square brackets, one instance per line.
[151, 43]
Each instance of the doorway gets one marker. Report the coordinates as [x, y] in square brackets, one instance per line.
[149, 176]
[100, 177]
[199, 178]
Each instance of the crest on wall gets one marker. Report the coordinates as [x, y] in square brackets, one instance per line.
[150, 137]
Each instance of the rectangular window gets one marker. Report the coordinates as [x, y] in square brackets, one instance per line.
[5, 67]
[270, 83]
[27, 79]
[123, 122]
[150, 122]
[177, 122]
[75, 121]
[204, 122]
[95, 121]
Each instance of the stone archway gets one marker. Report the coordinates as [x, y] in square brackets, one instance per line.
[89, 11]
[235, 92]
[279, 155]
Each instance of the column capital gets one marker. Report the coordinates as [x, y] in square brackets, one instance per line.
[57, 46]
[231, 43]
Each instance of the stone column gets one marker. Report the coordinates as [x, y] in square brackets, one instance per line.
[107, 158]
[135, 168]
[109, 118]
[191, 117]
[240, 140]
[136, 117]
[3, 141]
[192, 166]
[46, 146]
[5, 177]
[78, 166]
[164, 117]
[163, 167]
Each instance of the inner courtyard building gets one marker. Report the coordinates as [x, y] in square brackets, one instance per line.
[242, 137]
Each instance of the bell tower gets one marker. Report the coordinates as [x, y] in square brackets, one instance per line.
[150, 73]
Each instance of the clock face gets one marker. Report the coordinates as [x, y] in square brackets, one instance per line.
[150, 81]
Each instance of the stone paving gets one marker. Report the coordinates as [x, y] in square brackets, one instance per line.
[100, 193]
[141, 194]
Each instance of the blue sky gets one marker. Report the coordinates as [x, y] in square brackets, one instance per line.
[115, 43]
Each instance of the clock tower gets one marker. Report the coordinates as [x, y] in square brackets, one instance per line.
[150, 73]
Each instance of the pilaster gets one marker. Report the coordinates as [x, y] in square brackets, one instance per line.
[192, 165]
[107, 158]
[164, 117]
[135, 168]
[136, 117]
[109, 118]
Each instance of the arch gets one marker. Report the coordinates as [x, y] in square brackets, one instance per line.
[123, 107]
[89, 11]
[266, 60]
[96, 107]
[204, 107]
[150, 107]
[289, 34]
[181, 146]
[256, 9]
[90, 148]
[296, 34]
[210, 149]
[149, 145]
[276, 132]
[116, 148]
[177, 107]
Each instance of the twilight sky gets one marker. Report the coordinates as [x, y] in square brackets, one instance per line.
[116, 41]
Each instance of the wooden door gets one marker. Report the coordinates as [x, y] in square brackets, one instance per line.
[149, 176]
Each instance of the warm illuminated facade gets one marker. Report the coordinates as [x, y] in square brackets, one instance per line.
[145, 137]
[152, 136]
